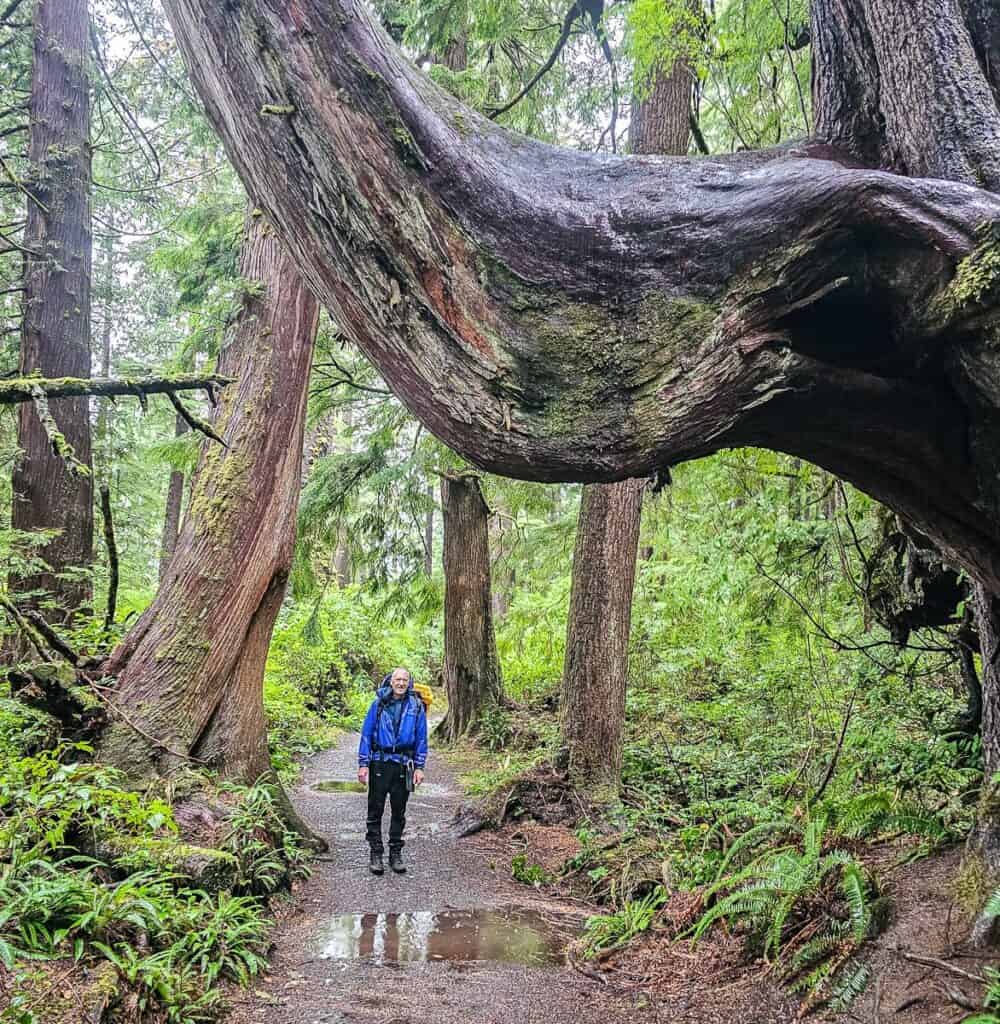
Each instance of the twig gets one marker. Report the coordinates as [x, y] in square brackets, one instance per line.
[112, 546]
[931, 961]
[155, 741]
[878, 1001]
[194, 422]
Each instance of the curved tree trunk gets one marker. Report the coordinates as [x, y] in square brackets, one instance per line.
[57, 285]
[558, 315]
[471, 666]
[189, 674]
[595, 670]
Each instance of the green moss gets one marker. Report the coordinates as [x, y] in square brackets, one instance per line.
[277, 109]
[461, 123]
[971, 886]
[977, 275]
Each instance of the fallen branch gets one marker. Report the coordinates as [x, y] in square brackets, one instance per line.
[21, 389]
[61, 448]
[942, 965]
[51, 637]
[112, 546]
[26, 628]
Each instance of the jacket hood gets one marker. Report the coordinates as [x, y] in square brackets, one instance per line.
[384, 692]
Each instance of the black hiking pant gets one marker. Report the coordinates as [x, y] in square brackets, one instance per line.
[386, 779]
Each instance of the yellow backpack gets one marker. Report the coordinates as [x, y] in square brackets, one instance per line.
[425, 694]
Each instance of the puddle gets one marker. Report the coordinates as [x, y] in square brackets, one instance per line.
[509, 936]
[330, 786]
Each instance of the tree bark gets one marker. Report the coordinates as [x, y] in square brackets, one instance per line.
[429, 535]
[471, 666]
[189, 674]
[592, 707]
[595, 669]
[57, 283]
[172, 514]
[983, 846]
[597, 317]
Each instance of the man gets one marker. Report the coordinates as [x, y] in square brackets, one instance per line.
[393, 744]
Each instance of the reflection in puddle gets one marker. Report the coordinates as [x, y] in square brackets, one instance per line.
[517, 936]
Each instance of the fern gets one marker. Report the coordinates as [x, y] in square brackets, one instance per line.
[780, 890]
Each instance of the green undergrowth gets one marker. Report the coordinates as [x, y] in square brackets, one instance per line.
[100, 888]
[510, 742]
[325, 659]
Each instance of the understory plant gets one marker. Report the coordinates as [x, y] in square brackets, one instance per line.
[801, 902]
[93, 875]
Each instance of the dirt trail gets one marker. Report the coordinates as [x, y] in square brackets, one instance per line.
[445, 873]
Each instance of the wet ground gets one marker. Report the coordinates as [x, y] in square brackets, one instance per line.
[453, 939]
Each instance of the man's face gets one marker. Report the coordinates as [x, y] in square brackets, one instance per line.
[400, 682]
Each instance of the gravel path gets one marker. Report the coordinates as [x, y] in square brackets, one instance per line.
[445, 873]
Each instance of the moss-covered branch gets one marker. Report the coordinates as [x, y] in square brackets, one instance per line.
[20, 389]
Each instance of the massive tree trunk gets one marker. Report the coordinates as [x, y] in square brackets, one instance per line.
[56, 333]
[595, 670]
[558, 315]
[471, 666]
[189, 674]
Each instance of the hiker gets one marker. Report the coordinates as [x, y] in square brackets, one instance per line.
[391, 758]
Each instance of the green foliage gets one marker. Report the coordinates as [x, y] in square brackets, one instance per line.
[797, 888]
[522, 870]
[169, 944]
[495, 728]
[613, 930]
[267, 853]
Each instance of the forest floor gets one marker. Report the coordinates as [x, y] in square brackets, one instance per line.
[342, 956]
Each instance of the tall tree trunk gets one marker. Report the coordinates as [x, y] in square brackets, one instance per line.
[983, 847]
[175, 501]
[471, 666]
[103, 433]
[56, 333]
[592, 707]
[343, 570]
[595, 670]
[189, 674]
[429, 535]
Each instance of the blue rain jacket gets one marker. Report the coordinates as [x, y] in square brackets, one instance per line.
[411, 737]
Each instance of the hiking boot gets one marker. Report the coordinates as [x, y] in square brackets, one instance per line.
[396, 862]
[375, 865]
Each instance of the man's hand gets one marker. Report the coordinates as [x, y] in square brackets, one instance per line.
[363, 773]
[418, 777]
